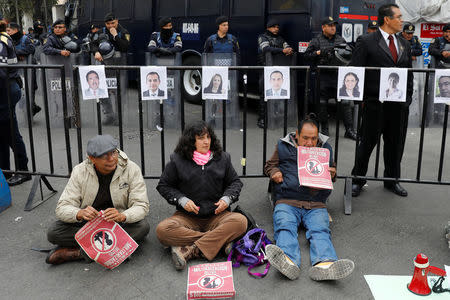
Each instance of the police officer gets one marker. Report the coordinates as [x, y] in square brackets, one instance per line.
[113, 34]
[408, 34]
[321, 52]
[38, 32]
[24, 46]
[372, 26]
[269, 41]
[440, 48]
[222, 41]
[59, 42]
[10, 80]
[166, 41]
[111, 48]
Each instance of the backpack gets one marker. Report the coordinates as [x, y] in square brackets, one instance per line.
[249, 250]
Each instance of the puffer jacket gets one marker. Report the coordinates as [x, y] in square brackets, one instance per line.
[128, 191]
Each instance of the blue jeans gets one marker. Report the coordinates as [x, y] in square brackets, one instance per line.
[287, 219]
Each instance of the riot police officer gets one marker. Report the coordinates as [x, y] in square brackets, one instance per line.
[24, 46]
[321, 51]
[38, 32]
[222, 41]
[59, 42]
[372, 26]
[269, 41]
[166, 41]
[408, 34]
[10, 80]
[440, 48]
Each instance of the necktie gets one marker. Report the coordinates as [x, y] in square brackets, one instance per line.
[392, 48]
[95, 93]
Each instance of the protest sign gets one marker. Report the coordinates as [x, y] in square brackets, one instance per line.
[313, 167]
[214, 280]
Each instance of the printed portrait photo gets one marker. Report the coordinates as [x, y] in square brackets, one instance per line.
[93, 82]
[276, 83]
[393, 84]
[215, 82]
[350, 83]
[442, 86]
[153, 83]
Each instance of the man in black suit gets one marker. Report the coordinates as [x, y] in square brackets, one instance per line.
[383, 49]
[153, 81]
[276, 82]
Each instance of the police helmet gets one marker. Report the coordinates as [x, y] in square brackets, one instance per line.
[106, 49]
[343, 54]
[86, 45]
[70, 45]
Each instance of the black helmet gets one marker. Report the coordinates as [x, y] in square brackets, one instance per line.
[106, 49]
[70, 45]
[86, 45]
[343, 54]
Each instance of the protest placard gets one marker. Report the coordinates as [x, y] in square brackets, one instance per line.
[313, 167]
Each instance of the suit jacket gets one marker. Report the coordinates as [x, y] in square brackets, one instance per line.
[100, 93]
[159, 94]
[269, 92]
[371, 50]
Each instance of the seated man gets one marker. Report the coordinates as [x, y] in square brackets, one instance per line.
[202, 183]
[297, 204]
[106, 181]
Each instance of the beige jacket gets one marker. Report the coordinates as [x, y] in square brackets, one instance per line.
[128, 191]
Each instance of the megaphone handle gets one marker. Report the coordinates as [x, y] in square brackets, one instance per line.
[437, 271]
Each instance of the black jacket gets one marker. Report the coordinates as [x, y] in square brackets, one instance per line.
[269, 42]
[372, 51]
[204, 185]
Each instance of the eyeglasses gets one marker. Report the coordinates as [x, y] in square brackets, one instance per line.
[106, 156]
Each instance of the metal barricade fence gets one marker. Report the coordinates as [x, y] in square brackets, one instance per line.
[75, 121]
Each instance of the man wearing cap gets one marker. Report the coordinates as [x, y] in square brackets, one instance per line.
[383, 49]
[107, 180]
[166, 41]
[9, 134]
[440, 48]
[222, 41]
[38, 32]
[270, 41]
[408, 34]
[59, 42]
[372, 26]
[117, 35]
[321, 52]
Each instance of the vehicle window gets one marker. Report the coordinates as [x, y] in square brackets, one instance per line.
[142, 9]
[204, 8]
[289, 5]
[123, 9]
[173, 8]
[248, 8]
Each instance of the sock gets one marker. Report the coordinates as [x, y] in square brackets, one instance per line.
[325, 264]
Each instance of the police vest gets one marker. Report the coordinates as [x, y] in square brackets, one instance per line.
[160, 42]
[7, 54]
[219, 47]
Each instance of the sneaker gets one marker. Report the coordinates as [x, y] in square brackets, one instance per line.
[282, 262]
[180, 255]
[336, 270]
[17, 179]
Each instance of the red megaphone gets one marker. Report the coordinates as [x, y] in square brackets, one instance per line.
[419, 282]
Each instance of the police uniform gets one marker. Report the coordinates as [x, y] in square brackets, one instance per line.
[269, 42]
[416, 47]
[23, 44]
[54, 44]
[436, 48]
[226, 44]
[166, 41]
[328, 78]
[10, 77]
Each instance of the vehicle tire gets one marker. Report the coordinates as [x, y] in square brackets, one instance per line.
[192, 81]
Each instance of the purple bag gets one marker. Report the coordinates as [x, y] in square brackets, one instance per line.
[249, 250]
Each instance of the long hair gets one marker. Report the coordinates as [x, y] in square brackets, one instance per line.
[210, 86]
[356, 88]
[186, 143]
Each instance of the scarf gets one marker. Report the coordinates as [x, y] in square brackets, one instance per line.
[201, 159]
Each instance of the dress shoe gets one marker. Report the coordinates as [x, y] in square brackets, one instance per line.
[356, 189]
[17, 179]
[61, 255]
[325, 131]
[350, 134]
[397, 189]
[261, 123]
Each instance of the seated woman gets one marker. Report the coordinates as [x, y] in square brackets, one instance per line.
[202, 183]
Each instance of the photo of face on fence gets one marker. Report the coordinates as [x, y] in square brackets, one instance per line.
[93, 82]
[393, 84]
[153, 83]
[350, 83]
[442, 86]
[215, 83]
[276, 83]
